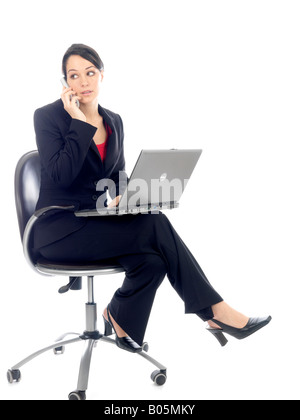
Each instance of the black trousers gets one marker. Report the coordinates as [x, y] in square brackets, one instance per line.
[149, 248]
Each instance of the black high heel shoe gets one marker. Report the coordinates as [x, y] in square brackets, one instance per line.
[124, 343]
[253, 325]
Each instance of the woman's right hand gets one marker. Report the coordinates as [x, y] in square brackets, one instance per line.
[69, 98]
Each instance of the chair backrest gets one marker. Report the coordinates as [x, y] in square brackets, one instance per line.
[27, 187]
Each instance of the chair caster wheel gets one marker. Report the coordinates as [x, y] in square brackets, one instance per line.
[77, 396]
[59, 350]
[159, 377]
[145, 347]
[13, 376]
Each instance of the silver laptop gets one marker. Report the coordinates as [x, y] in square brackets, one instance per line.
[157, 183]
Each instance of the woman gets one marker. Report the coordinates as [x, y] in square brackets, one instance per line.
[78, 146]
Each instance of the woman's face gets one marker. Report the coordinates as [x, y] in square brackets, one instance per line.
[84, 78]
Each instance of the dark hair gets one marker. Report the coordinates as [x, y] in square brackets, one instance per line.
[85, 52]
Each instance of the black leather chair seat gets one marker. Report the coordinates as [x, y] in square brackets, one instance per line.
[57, 265]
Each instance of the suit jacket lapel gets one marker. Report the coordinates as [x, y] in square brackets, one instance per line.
[95, 149]
[112, 148]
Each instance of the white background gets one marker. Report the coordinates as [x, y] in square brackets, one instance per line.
[219, 75]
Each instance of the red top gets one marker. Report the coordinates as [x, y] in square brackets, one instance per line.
[103, 147]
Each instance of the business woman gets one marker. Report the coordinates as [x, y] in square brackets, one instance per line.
[79, 146]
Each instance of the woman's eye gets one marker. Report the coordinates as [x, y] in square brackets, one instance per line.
[91, 73]
[74, 76]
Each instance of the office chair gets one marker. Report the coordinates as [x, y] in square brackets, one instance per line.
[27, 186]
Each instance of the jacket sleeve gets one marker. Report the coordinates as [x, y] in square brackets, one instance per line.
[62, 155]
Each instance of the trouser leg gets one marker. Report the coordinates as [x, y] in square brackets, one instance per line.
[132, 303]
[184, 272]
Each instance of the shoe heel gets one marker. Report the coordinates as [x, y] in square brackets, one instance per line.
[219, 336]
[107, 328]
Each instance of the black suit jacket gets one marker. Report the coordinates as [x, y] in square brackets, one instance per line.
[71, 167]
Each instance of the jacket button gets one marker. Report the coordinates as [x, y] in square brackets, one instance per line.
[95, 197]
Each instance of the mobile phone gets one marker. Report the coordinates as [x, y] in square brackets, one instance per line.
[65, 84]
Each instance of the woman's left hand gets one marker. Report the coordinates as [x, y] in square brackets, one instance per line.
[114, 202]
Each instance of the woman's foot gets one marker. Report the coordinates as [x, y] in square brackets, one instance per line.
[123, 341]
[229, 321]
[118, 330]
[227, 315]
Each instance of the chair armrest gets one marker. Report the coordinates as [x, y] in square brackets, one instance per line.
[28, 230]
[45, 210]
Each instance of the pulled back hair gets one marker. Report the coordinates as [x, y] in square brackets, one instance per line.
[85, 52]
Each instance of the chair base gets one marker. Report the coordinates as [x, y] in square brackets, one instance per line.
[91, 337]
